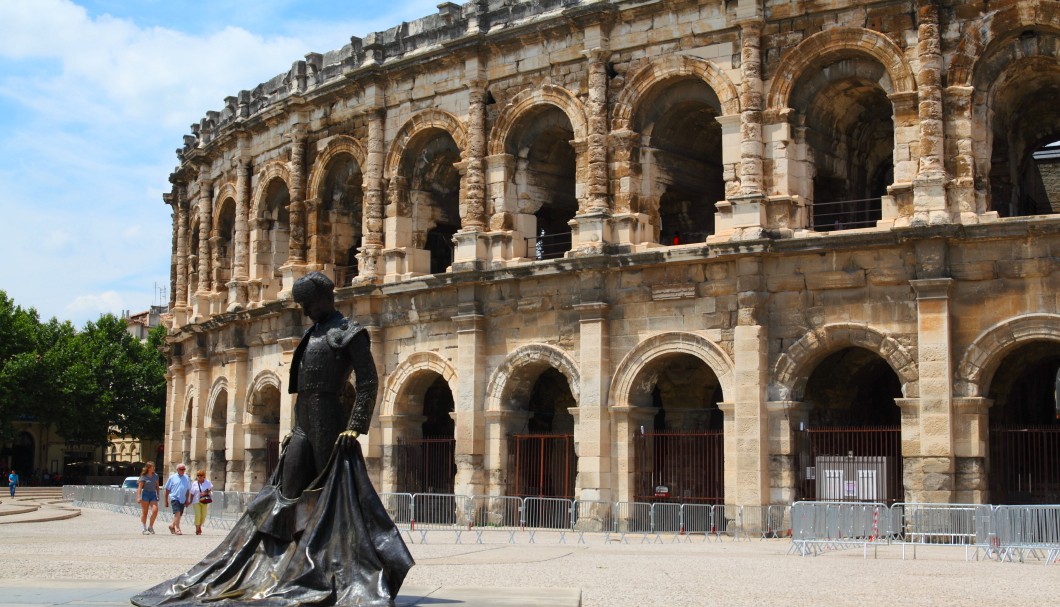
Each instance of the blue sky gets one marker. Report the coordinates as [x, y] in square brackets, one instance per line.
[95, 96]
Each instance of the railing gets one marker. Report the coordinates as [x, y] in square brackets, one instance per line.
[846, 214]
[548, 246]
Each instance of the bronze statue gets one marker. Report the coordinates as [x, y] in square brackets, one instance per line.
[317, 533]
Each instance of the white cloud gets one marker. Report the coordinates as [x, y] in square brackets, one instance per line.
[91, 306]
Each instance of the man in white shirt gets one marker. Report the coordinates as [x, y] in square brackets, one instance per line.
[178, 490]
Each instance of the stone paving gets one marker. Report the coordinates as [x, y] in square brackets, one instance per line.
[100, 559]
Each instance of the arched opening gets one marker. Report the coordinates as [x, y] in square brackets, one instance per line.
[1025, 127]
[849, 130]
[338, 230]
[1024, 466]
[425, 457]
[189, 428]
[216, 431]
[223, 253]
[20, 457]
[679, 457]
[274, 229]
[263, 433]
[681, 156]
[849, 448]
[542, 456]
[544, 180]
[193, 261]
[434, 195]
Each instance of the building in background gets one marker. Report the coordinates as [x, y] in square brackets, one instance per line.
[739, 252]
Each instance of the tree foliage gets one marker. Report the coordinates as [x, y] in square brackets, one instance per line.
[86, 383]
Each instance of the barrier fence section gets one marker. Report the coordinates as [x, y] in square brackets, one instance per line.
[223, 512]
[1007, 533]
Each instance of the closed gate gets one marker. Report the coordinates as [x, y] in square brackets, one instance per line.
[425, 465]
[1025, 465]
[272, 456]
[544, 465]
[849, 464]
[680, 467]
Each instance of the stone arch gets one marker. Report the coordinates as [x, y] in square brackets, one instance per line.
[500, 388]
[523, 102]
[404, 378]
[342, 144]
[219, 385]
[794, 366]
[824, 47]
[671, 343]
[984, 355]
[272, 170]
[186, 409]
[420, 122]
[641, 81]
[224, 192]
[267, 378]
[975, 40]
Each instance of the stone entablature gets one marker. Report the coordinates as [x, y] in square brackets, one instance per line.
[596, 188]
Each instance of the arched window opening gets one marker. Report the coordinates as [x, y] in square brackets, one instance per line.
[434, 196]
[1025, 426]
[681, 154]
[543, 456]
[680, 457]
[216, 433]
[185, 450]
[193, 262]
[338, 230]
[848, 448]
[277, 225]
[263, 455]
[544, 181]
[226, 227]
[850, 134]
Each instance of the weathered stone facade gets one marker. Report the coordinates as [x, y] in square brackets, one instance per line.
[497, 189]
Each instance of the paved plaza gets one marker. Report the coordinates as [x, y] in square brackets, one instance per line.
[100, 559]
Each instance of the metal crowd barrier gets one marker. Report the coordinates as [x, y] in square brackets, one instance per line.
[818, 527]
[225, 510]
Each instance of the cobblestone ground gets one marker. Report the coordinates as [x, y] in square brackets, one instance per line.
[101, 545]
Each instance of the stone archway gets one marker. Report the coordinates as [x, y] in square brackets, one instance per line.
[217, 416]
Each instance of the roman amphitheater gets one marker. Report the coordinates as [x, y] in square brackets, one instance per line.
[725, 251]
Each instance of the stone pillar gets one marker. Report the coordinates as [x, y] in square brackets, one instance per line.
[234, 444]
[746, 436]
[296, 249]
[593, 432]
[471, 250]
[929, 193]
[237, 287]
[591, 228]
[785, 419]
[960, 154]
[372, 230]
[971, 445]
[201, 373]
[176, 386]
[748, 210]
[470, 399]
[201, 300]
[929, 473]
[180, 209]
[500, 425]
[628, 421]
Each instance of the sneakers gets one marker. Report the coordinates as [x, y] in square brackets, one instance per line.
[151, 530]
[146, 532]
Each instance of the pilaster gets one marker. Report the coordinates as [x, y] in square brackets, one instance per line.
[593, 430]
[470, 396]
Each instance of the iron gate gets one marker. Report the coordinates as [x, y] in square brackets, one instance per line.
[849, 464]
[425, 465]
[272, 456]
[1025, 465]
[679, 467]
[543, 465]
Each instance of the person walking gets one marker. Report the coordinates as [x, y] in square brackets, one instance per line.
[201, 497]
[12, 481]
[178, 489]
[147, 497]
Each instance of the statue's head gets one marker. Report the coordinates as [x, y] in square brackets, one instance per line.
[316, 294]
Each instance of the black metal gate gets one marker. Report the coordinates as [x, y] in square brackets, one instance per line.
[1025, 465]
[542, 465]
[849, 464]
[425, 465]
[679, 467]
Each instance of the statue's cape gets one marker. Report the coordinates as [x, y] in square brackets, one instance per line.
[334, 545]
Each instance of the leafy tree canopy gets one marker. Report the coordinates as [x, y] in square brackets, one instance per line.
[84, 382]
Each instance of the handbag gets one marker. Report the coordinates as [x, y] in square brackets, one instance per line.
[204, 498]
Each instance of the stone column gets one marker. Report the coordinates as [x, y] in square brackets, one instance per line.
[180, 209]
[971, 438]
[201, 306]
[176, 386]
[960, 154]
[201, 372]
[499, 426]
[234, 444]
[929, 473]
[372, 243]
[746, 436]
[470, 398]
[929, 193]
[471, 249]
[593, 431]
[591, 227]
[627, 421]
[785, 419]
[296, 254]
[237, 287]
[747, 212]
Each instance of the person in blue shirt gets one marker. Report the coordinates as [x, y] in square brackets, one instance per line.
[178, 490]
[12, 481]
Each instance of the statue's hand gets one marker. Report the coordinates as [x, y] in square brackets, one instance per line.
[348, 437]
[286, 439]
